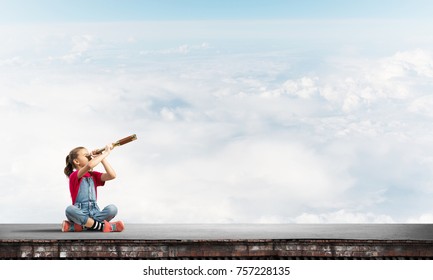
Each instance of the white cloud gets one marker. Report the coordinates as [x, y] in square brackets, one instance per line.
[224, 135]
[426, 218]
[304, 87]
[343, 216]
[13, 61]
[238, 182]
[181, 49]
[168, 114]
[408, 63]
[422, 106]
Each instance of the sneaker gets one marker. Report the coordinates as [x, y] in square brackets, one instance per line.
[113, 227]
[68, 226]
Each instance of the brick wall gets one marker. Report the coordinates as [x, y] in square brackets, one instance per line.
[217, 249]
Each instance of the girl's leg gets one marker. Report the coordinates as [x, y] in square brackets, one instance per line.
[107, 214]
[76, 215]
[80, 217]
[94, 225]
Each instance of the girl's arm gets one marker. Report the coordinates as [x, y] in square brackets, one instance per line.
[110, 173]
[94, 162]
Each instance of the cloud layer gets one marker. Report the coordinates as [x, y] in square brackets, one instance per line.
[229, 131]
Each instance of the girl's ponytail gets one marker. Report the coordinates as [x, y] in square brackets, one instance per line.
[70, 161]
[69, 167]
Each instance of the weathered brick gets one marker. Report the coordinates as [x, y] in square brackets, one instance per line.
[340, 248]
[241, 248]
[114, 249]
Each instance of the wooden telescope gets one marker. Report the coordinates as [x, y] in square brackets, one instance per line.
[120, 142]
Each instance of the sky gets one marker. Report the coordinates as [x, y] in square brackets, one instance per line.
[245, 111]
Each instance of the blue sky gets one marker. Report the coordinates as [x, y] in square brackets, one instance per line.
[112, 10]
[263, 112]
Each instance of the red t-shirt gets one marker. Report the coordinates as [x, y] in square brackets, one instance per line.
[74, 182]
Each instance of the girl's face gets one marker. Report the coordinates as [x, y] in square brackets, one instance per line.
[83, 157]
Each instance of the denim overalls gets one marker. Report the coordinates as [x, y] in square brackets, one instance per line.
[85, 205]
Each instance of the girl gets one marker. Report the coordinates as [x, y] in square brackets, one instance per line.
[83, 183]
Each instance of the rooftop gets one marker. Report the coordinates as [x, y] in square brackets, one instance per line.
[226, 241]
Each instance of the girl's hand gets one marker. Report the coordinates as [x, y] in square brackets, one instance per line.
[108, 148]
